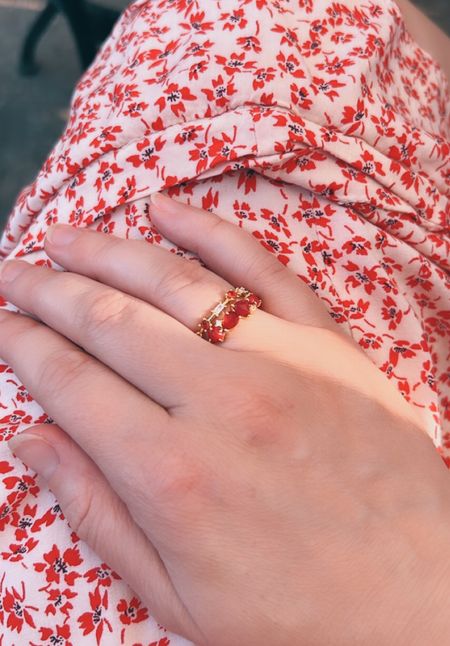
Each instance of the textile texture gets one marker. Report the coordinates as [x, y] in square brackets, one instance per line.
[320, 127]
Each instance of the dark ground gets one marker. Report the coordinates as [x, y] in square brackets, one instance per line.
[33, 109]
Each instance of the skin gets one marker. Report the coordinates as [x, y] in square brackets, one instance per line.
[275, 489]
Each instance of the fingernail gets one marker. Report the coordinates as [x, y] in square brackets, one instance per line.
[61, 234]
[36, 453]
[11, 269]
[163, 201]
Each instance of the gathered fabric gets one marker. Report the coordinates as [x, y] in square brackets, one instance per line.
[320, 127]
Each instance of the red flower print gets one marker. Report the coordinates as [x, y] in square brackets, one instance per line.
[337, 13]
[58, 568]
[126, 193]
[357, 245]
[311, 47]
[356, 310]
[221, 92]
[95, 619]
[354, 117]
[15, 418]
[390, 312]
[174, 97]
[234, 19]
[131, 611]
[299, 96]
[248, 43]
[304, 160]
[19, 487]
[106, 177]
[263, 76]
[402, 349]
[105, 140]
[57, 636]
[196, 23]
[197, 69]
[236, 63]
[17, 612]
[159, 56]
[368, 165]
[289, 36]
[314, 213]
[309, 250]
[243, 211]
[136, 109]
[18, 552]
[164, 641]
[48, 518]
[336, 66]
[370, 340]
[271, 242]
[428, 375]
[411, 179]
[77, 213]
[103, 575]
[188, 134]
[59, 601]
[277, 221]
[365, 276]
[147, 156]
[5, 467]
[290, 65]
[222, 149]
[210, 200]
[328, 88]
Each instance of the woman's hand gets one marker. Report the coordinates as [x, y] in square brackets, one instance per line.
[274, 489]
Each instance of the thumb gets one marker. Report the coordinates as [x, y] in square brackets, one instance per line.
[99, 516]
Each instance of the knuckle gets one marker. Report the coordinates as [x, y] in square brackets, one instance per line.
[62, 370]
[218, 227]
[102, 310]
[179, 479]
[19, 328]
[81, 513]
[107, 248]
[182, 276]
[264, 267]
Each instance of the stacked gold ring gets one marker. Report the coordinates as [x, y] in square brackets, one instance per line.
[237, 303]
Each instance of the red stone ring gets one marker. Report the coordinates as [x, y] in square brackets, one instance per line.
[238, 303]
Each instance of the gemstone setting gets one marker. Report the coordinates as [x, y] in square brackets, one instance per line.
[238, 303]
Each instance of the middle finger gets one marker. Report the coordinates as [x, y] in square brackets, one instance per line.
[149, 348]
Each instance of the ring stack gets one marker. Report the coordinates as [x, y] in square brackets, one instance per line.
[238, 303]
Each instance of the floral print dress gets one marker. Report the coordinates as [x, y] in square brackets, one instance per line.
[323, 129]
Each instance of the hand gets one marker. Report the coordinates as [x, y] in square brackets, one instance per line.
[274, 489]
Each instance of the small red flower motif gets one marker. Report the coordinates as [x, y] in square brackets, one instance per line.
[58, 568]
[131, 611]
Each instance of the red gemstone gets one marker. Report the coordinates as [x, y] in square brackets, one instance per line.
[254, 299]
[231, 294]
[230, 319]
[242, 308]
[216, 335]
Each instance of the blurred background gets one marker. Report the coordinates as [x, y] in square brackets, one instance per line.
[33, 107]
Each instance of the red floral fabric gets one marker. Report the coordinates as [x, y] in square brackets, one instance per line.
[320, 127]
